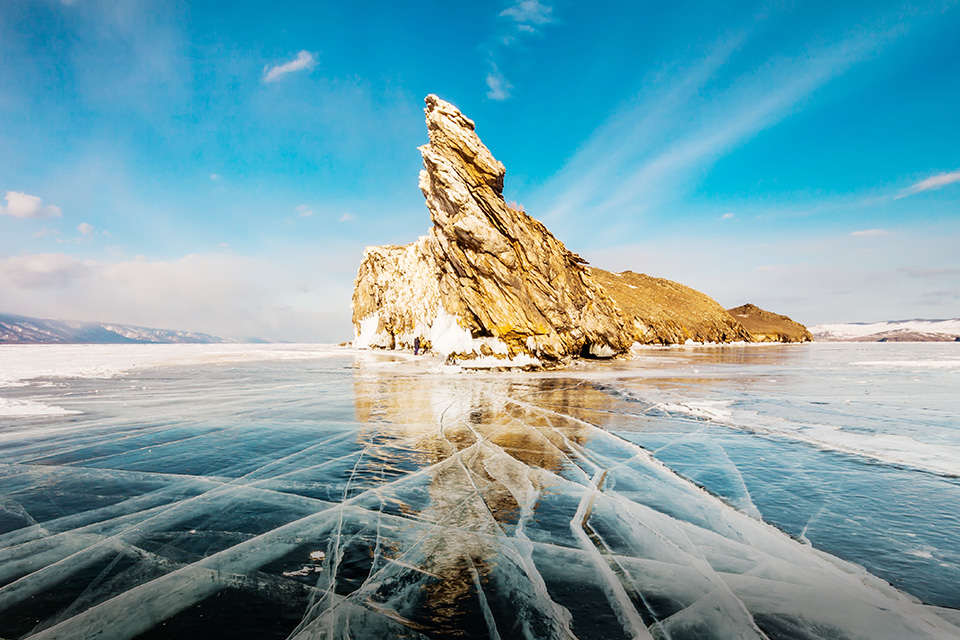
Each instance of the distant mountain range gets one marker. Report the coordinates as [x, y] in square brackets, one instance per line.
[895, 331]
[24, 330]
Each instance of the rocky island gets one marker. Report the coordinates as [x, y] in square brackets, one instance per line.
[491, 284]
[766, 326]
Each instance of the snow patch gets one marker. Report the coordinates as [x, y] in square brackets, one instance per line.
[602, 351]
[447, 336]
[10, 408]
[369, 335]
[716, 410]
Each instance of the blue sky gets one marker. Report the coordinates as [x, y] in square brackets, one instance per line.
[220, 166]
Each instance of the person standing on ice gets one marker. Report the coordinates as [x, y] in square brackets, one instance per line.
[416, 345]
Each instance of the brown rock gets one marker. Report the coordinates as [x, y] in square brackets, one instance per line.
[766, 326]
[663, 312]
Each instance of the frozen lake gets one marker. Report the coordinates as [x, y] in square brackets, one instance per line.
[303, 491]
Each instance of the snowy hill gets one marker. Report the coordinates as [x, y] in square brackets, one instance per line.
[894, 331]
[24, 330]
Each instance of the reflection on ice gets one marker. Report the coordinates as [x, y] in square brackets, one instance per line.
[354, 503]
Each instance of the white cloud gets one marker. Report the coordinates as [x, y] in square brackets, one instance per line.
[528, 12]
[304, 211]
[85, 229]
[729, 215]
[218, 293]
[303, 62]
[934, 182]
[215, 177]
[45, 233]
[526, 16]
[499, 87]
[40, 271]
[24, 206]
[347, 217]
[870, 233]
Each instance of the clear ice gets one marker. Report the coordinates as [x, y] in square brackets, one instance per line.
[346, 498]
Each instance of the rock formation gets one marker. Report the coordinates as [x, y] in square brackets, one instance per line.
[663, 312]
[766, 326]
[489, 282]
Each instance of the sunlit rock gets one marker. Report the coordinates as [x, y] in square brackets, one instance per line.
[492, 285]
[659, 311]
[766, 326]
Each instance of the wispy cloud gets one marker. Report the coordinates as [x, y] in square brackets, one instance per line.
[347, 217]
[870, 233]
[729, 215]
[24, 206]
[498, 86]
[304, 211]
[937, 272]
[303, 62]
[654, 147]
[522, 17]
[528, 13]
[86, 231]
[934, 182]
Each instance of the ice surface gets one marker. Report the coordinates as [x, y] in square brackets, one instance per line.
[25, 362]
[364, 496]
[934, 457]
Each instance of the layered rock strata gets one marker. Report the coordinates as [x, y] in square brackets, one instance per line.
[766, 326]
[492, 284]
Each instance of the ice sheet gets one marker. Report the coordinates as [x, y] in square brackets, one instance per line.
[187, 500]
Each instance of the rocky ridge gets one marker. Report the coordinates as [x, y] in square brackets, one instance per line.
[491, 284]
[917, 330]
[766, 326]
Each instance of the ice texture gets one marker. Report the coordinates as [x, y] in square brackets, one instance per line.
[364, 497]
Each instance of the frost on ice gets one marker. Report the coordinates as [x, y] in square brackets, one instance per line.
[377, 505]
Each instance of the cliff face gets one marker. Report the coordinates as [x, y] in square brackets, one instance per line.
[766, 326]
[485, 271]
[489, 281]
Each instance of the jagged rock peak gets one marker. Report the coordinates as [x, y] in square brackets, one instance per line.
[503, 277]
[452, 136]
